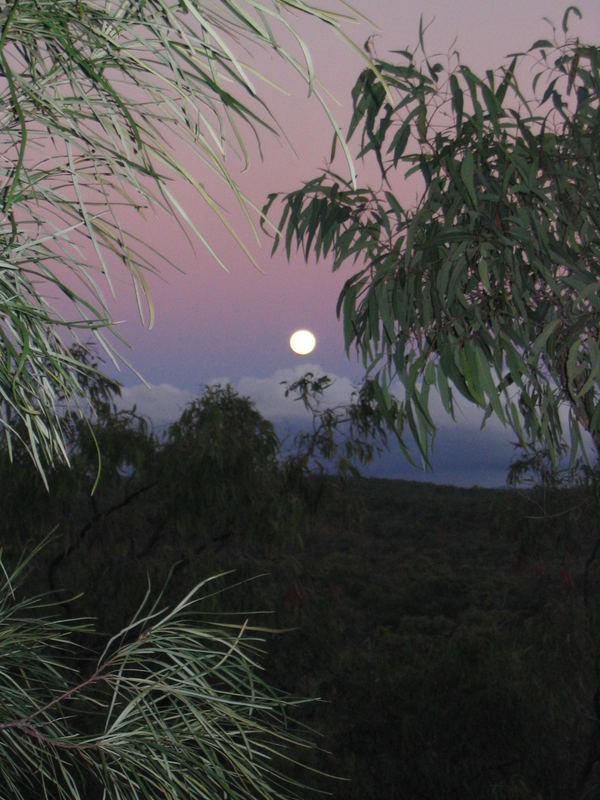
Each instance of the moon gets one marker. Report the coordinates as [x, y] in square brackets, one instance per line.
[302, 342]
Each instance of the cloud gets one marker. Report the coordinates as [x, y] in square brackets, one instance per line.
[269, 393]
[468, 415]
[463, 454]
[162, 403]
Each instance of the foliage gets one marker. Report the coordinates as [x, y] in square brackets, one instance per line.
[347, 435]
[487, 287]
[449, 669]
[172, 707]
[217, 476]
[94, 95]
[159, 504]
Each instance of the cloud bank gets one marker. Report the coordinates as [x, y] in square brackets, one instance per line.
[463, 453]
[163, 403]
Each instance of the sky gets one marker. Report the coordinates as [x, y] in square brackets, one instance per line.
[217, 326]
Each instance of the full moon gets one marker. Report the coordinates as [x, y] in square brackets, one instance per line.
[302, 342]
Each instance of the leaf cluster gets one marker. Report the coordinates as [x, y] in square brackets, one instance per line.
[173, 707]
[346, 436]
[485, 288]
[105, 105]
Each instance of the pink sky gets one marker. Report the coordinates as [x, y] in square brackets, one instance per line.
[212, 323]
[235, 325]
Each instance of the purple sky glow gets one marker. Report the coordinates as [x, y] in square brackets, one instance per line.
[235, 326]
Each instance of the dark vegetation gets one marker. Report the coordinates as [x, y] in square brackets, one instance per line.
[450, 633]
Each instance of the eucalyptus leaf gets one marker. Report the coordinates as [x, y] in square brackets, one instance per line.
[494, 269]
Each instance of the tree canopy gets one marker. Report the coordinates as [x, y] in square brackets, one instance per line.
[487, 286]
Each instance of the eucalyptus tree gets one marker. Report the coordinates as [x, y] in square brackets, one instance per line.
[108, 108]
[487, 286]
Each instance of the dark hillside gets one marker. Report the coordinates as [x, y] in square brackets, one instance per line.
[451, 666]
[444, 629]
